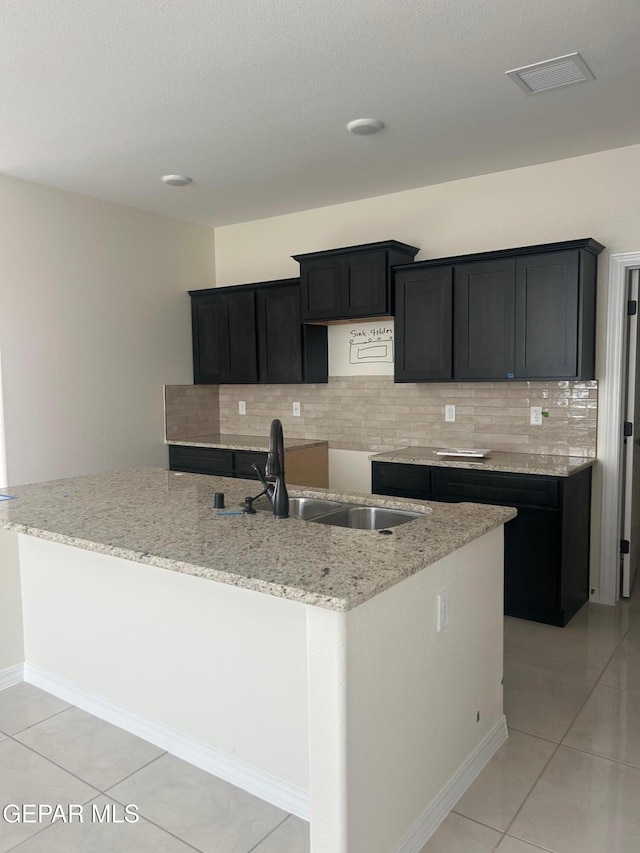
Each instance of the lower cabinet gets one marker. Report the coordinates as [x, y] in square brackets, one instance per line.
[546, 547]
[304, 466]
[210, 460]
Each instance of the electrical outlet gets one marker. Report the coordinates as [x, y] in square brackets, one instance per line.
[443, 610]
[536, 416]
[450, 413]
[296, 410]
[242, 407]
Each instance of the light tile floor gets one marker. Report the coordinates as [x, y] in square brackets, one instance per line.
[567, 780]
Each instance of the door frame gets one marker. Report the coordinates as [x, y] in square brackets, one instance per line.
[611, 403]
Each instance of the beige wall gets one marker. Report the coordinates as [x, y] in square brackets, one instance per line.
[94, 319]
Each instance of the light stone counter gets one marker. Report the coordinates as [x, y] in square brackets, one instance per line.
[230, 441]
[165, 519]
[517, 463]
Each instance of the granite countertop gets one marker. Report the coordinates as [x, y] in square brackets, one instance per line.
[517, 463]
[165, 519]
[229, 441]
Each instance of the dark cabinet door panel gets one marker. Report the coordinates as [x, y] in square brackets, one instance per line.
[241, 346]
[244, 459]
[279, 334]
[546, 331]
[423, 328]
[320, 289]
[407, 481]
[533, 551]
[208, 323]
[364, 285]
[484, 315]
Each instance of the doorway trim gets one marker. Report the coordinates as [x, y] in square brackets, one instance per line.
[610, 440]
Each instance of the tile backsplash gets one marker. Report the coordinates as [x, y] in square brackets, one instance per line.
[372, 413]
[191, 410]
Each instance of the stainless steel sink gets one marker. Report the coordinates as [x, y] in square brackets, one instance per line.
[355, 516]
[306, 508]
[366, 517]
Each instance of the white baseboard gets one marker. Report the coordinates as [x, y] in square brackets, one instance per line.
[244, 776]
[440, 807]
[11, 675]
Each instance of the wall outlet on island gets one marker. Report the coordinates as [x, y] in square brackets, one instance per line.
[536, 416]
[450, 413]
[242, 407]
[296, 409]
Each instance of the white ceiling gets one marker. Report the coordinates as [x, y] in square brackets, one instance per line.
[251, 97]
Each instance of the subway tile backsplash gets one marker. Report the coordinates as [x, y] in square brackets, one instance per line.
[372, 413]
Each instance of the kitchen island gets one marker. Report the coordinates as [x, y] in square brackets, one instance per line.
[298, 660]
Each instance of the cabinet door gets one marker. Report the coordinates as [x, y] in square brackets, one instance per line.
[546, 306]
[224, 338]
[279, 333]
[320, 288]
[364, 289]
[244, 459]
[239, 337]
[484, 319]
[208, 320]
[423, 325]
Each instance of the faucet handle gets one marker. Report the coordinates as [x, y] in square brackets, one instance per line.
[248, 506]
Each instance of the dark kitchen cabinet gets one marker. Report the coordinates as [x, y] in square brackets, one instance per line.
[546, 547]
[253, 333]
[224, 337]
[484, 319]
[423, 327]
[525, 313]
[350, 282]
[219, 462]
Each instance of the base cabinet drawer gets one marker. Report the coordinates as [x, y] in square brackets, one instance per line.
[546, 547]
[201, 460]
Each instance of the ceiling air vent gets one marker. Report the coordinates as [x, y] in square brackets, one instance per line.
[541, 76]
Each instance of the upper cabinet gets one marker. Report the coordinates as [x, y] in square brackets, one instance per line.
[253, 333]
[350, 282]
[524, 313]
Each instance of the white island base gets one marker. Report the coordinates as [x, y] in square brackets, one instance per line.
[369, 723]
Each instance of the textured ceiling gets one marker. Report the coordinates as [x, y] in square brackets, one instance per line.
[251, 97]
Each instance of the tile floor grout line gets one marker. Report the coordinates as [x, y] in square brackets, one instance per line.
[157, 825]
[559, 744]
[43, 720]
[599, 755]
[75, 775]
[133, 772]
[251, 849]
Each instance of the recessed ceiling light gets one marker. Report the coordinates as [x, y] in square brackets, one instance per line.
[177, 180]
[365, 126]
[561, 71]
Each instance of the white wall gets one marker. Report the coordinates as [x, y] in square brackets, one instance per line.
[595, 195]
[94, 320]
[222, 665]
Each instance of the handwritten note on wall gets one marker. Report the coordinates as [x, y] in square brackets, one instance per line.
[361, 349]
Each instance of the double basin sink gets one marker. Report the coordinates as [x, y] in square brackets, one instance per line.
[357, 516]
